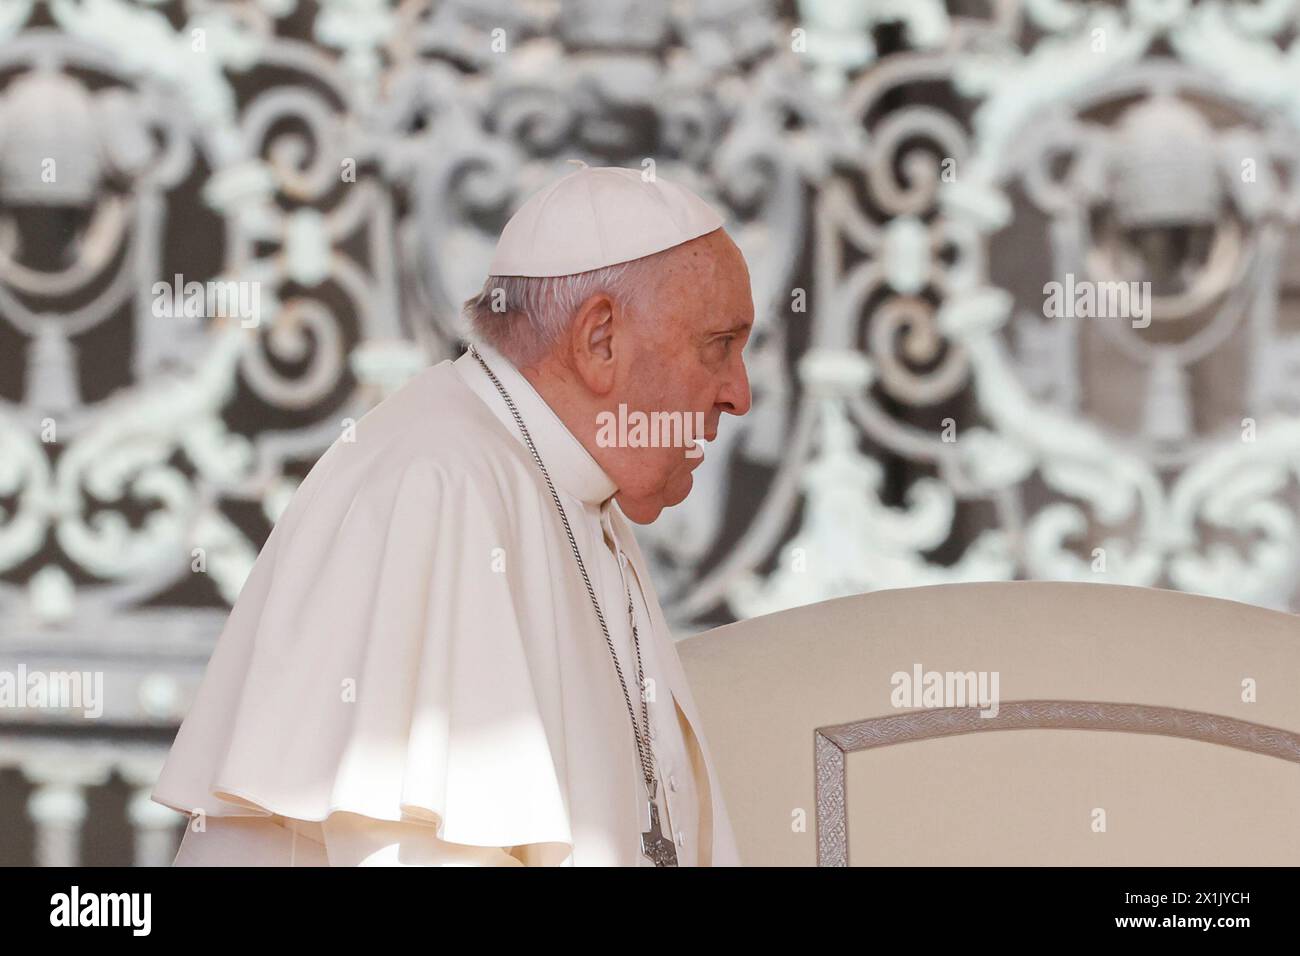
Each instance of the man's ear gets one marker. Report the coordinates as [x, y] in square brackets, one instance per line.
[592, 346]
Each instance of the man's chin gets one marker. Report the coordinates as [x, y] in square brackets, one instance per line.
[681, 490]
[640, 511]
[646, 510]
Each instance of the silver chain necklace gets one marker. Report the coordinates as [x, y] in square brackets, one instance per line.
[654, 844]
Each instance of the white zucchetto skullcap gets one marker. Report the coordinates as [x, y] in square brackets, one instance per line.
[598, 216]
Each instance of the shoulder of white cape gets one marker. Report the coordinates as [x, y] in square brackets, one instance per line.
[433, 431]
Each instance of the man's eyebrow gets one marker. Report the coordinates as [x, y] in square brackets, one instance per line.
[739, 327]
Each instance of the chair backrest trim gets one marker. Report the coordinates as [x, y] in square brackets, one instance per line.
[832, 744]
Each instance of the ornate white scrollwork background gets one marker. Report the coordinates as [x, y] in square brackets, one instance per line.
[903, 178]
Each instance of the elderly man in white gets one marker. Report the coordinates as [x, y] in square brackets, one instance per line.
[449, 651]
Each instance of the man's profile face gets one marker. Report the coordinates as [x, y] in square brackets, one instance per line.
[687, 359]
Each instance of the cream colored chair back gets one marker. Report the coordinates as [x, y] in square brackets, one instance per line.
[1134, 726]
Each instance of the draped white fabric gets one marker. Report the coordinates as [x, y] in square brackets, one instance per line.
[415, 645]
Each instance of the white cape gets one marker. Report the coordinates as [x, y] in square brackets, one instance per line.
[375, 662]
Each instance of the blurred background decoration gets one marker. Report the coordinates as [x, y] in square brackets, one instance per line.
[904, 177]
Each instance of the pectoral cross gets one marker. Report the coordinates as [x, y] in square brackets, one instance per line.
[654, 844]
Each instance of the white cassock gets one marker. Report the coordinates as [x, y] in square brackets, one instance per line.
[414, 674]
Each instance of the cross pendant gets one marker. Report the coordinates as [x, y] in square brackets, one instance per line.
[655, 845]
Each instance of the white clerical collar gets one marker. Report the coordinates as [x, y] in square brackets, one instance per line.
[570, 464]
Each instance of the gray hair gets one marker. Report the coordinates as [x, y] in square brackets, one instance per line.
[525, 317]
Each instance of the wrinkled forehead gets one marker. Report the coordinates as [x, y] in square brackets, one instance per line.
[705, 287]
[711, 264]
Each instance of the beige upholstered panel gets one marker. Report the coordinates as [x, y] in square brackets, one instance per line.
[1025, 796]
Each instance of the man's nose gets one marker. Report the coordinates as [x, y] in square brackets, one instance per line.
[734, 399]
